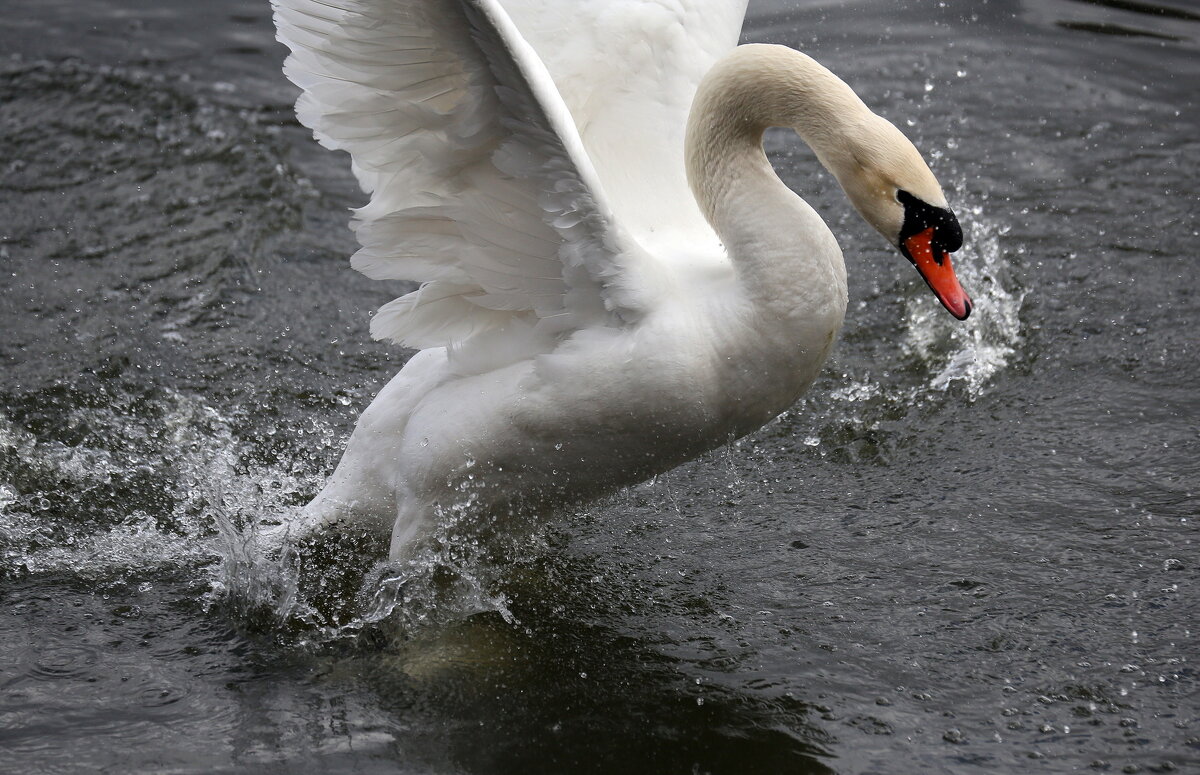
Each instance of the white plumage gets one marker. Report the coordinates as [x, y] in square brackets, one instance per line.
[608, 288]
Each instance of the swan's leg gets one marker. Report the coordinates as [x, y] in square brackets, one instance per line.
[350, 498]
[362, 493]
[348, 502]
[413, 522]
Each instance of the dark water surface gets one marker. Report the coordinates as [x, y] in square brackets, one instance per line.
[972, 548]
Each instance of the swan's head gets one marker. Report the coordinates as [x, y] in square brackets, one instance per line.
[890, 185]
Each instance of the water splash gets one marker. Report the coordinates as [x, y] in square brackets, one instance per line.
[65, 507]
[217, 522]
[854, 412]
[970, 353]
[447, 579]
[130, 494]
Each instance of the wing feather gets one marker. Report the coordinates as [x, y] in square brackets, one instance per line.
[628, 70]
[480, 185]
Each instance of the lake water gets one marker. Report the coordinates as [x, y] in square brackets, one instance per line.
[971, 548]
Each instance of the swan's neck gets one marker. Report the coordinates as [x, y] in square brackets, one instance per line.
[785, 257]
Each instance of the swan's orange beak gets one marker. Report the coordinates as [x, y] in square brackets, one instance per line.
[934, 266]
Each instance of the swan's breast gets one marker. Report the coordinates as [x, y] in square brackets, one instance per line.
[608, 407]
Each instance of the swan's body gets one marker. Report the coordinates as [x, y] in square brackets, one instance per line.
[605, 296]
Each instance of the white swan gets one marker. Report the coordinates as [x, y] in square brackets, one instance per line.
[605, 295]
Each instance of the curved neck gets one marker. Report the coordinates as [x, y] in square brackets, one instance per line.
[756, 87]
[779, 246]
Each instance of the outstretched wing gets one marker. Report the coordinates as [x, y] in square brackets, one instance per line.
[480, 186]
[628, 70]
